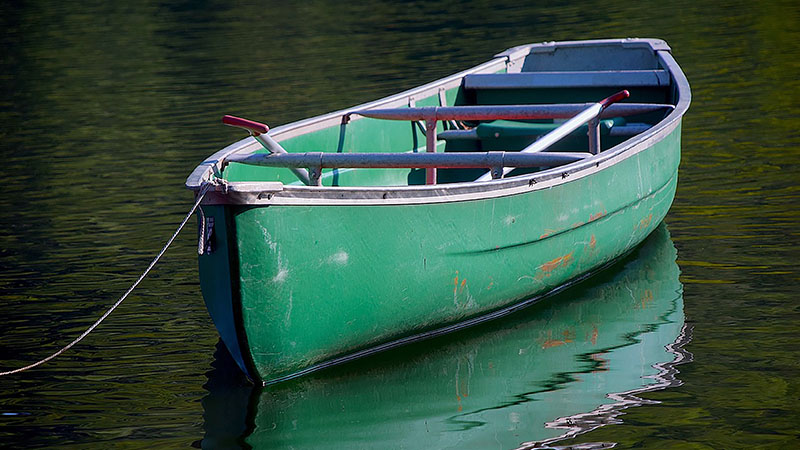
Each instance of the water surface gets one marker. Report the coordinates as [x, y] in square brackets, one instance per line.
[105, 108]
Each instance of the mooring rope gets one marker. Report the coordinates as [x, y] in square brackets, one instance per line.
[200, 196]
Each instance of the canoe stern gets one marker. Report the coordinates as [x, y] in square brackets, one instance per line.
[219, 281]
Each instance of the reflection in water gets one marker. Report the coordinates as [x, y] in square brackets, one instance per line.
[607, 414]
[562, 367]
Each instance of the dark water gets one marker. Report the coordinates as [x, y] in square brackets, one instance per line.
[105, 108]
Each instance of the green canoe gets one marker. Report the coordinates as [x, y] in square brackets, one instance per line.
[437, 208]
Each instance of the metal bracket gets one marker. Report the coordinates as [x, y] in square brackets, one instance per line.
[216, 168]
[430, 147]
[315, 174]
[594, 136]
[412, 103]
[451, 124]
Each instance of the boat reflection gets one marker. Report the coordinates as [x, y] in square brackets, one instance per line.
[559, 368]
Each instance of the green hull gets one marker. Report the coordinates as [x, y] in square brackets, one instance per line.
[304, 277]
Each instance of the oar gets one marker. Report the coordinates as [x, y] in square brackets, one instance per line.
[566, 128]
[259, 132]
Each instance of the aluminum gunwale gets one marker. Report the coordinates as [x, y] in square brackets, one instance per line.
[252, 193]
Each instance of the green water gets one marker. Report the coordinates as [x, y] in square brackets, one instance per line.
[105, 108]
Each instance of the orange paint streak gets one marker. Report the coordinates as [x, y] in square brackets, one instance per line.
[596, 216]
[593, 339]
[550, 342]
[592, 242]
[547, 232]
[561, 261]
[644, 223]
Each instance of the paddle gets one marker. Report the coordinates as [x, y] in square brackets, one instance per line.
[259, 132]
[590, 113]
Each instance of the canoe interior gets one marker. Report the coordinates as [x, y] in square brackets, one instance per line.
[567, 67]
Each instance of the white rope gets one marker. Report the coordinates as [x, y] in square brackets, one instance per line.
[201, 243]
[200, 196]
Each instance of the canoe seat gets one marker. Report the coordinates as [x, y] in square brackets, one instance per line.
[568, 79]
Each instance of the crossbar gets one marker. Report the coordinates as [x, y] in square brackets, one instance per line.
[452, 160]
[508, 112]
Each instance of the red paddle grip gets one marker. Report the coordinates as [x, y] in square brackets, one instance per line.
[621, 95]
[249, 125]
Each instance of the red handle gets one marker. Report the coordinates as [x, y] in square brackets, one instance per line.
[621, 95]
[253, 127]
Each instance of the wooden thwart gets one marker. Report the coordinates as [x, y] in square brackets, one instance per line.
[495, 161]
[508, 112]
[453, 160]
[568, 79]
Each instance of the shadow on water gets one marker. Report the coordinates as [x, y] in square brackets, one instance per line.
[560, 368]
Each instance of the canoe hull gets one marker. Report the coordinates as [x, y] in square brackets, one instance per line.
[356, 278]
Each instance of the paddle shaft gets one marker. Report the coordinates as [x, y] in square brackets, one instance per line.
[259, 132]
[565, 129]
